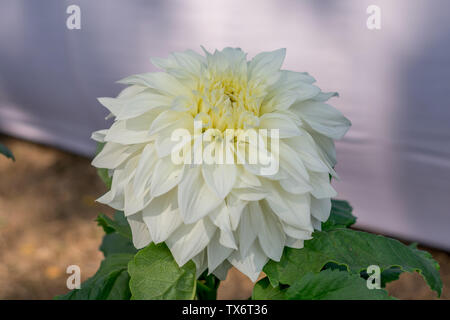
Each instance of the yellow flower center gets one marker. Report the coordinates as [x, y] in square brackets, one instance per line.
[227, 101]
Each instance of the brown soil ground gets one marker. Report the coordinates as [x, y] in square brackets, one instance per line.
[47, 213]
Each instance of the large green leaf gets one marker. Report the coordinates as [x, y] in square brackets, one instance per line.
[116, 243]
[119, 224]
[263, 290]
[333, 285]
[155, 275]
[356, 251]
[110, 282]
[340, 216]
[6, 152]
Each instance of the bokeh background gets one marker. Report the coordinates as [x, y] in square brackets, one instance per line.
[394, 86]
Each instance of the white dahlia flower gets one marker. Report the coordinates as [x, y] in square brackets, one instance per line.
[221, 215]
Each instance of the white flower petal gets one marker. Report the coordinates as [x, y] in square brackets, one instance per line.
[235, 208]
[145, 169]
[247, 231]
[217, 253]
[221, 218]
[190, 239]
[291, 208]
[113, 155]
[99, 135]
[195, 198]
[252, 263]
[166, 176]
[220, 178]
[323, 118]
[160, 81]
[294, 243]
[266, 63]
[316, 224]
[161, 216]
[201, 263]
[222, 270]
[133, 204]
[270, 232]
[321, 185]
[321, 208]
[276, 120]
[141, 236]
[327, 150]
[115, 198]
[169, 120]
[324, 96]
[134, 106]
[295, 232]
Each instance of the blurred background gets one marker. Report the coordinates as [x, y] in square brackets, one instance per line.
[394, 85]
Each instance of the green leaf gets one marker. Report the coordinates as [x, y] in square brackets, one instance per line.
[110, 282]
[354, 249]
[333, 285]
[340, 216]
[389, 275]
[103, 173]
[207, 286]
[155, 275]
[116, 243]
[119, 224]
[6, 152]
[263, 290]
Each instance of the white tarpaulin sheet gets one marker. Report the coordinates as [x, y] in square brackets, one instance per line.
[394, 83]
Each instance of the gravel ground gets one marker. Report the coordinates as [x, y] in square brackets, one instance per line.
[47, 213]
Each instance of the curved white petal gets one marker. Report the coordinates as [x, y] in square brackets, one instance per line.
[296, 233]
[266, 63]
[321, 185]
[270, 232]
[201, 262]
[235, 208]
[323, 118]
[220, 178]
[166, 176]
[321, 208]
[221, 218]
[195, 198]
[160, 81]
[291, 208]
[276, 120]
[250, 264]
[139, 231]
[162, 217]
[217, 253]
[247, 231]
[99, 135]
[222, 270]
[294, 243]
[145, 169]
[113, 155]
[190, 239]
[133, 204]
